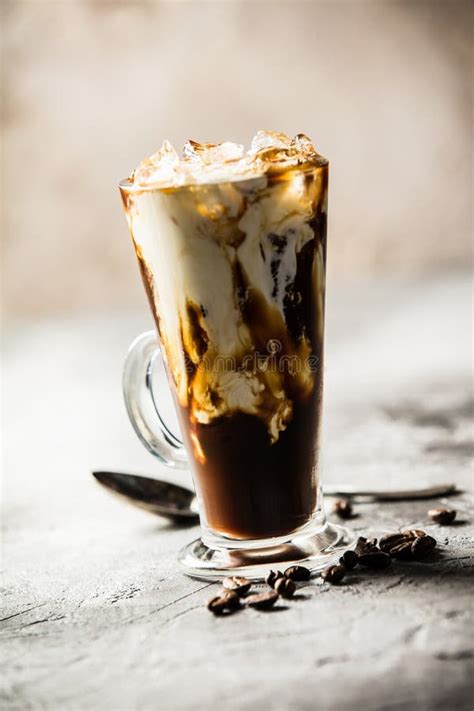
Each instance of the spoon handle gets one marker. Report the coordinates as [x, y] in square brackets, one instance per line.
[391, 495]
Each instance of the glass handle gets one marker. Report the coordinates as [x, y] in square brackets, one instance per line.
[142, 390]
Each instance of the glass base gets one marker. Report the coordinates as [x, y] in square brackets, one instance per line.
[315, 550]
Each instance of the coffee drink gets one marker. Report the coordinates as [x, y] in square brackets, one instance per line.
[231, 247]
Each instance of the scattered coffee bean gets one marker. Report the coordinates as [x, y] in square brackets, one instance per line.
[343, 508]
[422, 547]
[272, 577]
[224, 604]
[375, 559]
[392, 540]
[334, 574]
[402, 551]
[298, 573]
[412, 544]
[442, 516]
[364, 545]
[349, 560]
[238, 585]
[414, 533]
[285, 587]
[262, 601]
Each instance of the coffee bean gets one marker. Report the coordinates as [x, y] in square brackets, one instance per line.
[349, 560]
[298, 573]
[402, 551]
[422, 547]
[285, 587]
[239, 585]
[224, 604]
[399, 544]
[390, 541]
[262, 601]
[364, 545]
[343, 508]
[272, 577]
[333, 574]
[375, 559]
[414, 533]
[442, 516]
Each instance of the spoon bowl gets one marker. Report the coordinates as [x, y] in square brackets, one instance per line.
[161, 498]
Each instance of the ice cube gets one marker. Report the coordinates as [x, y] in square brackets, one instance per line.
[208, 153]
[165, 154]
[229, 151]
[268, 142]
[195, 150]
[303, 144]
[161, 166]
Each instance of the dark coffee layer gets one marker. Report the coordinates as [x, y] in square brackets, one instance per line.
[251, 488]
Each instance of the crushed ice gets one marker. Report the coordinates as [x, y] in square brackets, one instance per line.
[212, 162]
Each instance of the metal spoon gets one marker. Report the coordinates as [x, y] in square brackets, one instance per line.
[158, 497]
[179, 504]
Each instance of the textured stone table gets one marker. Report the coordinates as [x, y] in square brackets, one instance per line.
[96, 613]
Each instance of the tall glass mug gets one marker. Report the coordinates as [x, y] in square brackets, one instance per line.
[234, 270]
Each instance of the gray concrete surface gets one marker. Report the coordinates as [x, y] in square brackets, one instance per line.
[96, 613]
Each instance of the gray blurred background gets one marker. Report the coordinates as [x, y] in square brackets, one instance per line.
[91, 87]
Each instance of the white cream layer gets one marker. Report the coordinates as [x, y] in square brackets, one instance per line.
[187, 239]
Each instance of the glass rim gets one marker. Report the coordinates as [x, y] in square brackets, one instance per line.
[126, 186]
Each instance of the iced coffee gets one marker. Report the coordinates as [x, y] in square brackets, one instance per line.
[231, 246]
